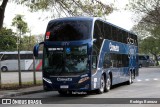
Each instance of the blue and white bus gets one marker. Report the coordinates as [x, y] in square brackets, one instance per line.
[87, 53]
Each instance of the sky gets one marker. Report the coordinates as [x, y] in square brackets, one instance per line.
[37, 22]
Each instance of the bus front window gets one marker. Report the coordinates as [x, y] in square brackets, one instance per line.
[69, 30]
[69, 60]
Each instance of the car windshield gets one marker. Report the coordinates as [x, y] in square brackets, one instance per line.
[69, 30]
[68, 60]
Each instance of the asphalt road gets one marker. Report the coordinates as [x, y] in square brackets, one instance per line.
[147, 85]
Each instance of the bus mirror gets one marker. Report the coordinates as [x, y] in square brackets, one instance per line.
[94, 40]
[36, 49]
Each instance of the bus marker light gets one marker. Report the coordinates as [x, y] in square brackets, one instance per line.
[47, 80]
[48, 35]
[83, 79]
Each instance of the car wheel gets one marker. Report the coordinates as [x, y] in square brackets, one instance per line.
[140, 65]
[4, 69]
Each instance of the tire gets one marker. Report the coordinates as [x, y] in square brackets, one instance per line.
[102, 86]
[108, 84]
[62, 92]
[131, 77]
[4, 69]
[140, 65]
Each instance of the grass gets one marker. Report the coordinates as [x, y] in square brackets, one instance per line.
[15, 86]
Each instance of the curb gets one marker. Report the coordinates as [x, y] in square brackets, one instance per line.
[21, 93]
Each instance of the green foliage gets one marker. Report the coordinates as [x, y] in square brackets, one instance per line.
[156, 32]
[71, 7]
[148, 26]
[7, 40]
[20, 24]
[150, 45]
[27, 43]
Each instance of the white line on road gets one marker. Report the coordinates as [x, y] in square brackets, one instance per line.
[155, 79]
[139, 80]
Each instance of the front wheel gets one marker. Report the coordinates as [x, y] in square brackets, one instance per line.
[131, 77]
[62, 92]
[102, 85]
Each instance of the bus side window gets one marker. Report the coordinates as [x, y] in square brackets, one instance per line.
[106, 62]
[94, 61]
[4, 57]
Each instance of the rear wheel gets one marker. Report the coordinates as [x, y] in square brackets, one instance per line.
[102, 85]
[131, 77]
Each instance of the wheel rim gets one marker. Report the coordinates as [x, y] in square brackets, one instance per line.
[4, 69]
[130, 77]
[108, 84]
[102, 84]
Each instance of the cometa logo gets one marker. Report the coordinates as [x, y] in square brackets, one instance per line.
[113, 47]
[64, 79]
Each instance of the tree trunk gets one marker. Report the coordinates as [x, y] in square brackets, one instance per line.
[2, 11]
[156, 59]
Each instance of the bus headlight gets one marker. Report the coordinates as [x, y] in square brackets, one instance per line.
[83, 79]
[47, 80]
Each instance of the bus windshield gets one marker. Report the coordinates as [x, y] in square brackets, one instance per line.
[68, 60]
[69, 30]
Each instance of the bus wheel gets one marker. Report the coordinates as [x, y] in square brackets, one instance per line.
[130, 81]
[62, 92]
[108, 84]
[4, 69]
[102, 86]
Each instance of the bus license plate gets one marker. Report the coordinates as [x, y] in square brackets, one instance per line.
[64, 86]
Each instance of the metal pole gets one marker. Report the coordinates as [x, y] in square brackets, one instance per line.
[1, 72]
[34, 71]
[19, 64]
[0, 75]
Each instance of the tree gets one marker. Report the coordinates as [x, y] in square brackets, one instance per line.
[63, 7]
[22, 27]
[8, 40]
[72, 7]
[28, 42]
[2, 11]
[148, 28]
[151, 45]
[20, 24]
[149, 10]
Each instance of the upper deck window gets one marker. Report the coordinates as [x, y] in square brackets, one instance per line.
[67, 30]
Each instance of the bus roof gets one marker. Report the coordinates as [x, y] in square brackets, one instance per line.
[90, 18]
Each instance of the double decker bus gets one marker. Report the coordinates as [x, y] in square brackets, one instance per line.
[87, 53]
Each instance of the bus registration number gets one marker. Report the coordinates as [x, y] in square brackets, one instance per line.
[64, 86]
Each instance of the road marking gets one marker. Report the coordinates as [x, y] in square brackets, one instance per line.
[139, 80]
[155, 79]
[148, 79]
